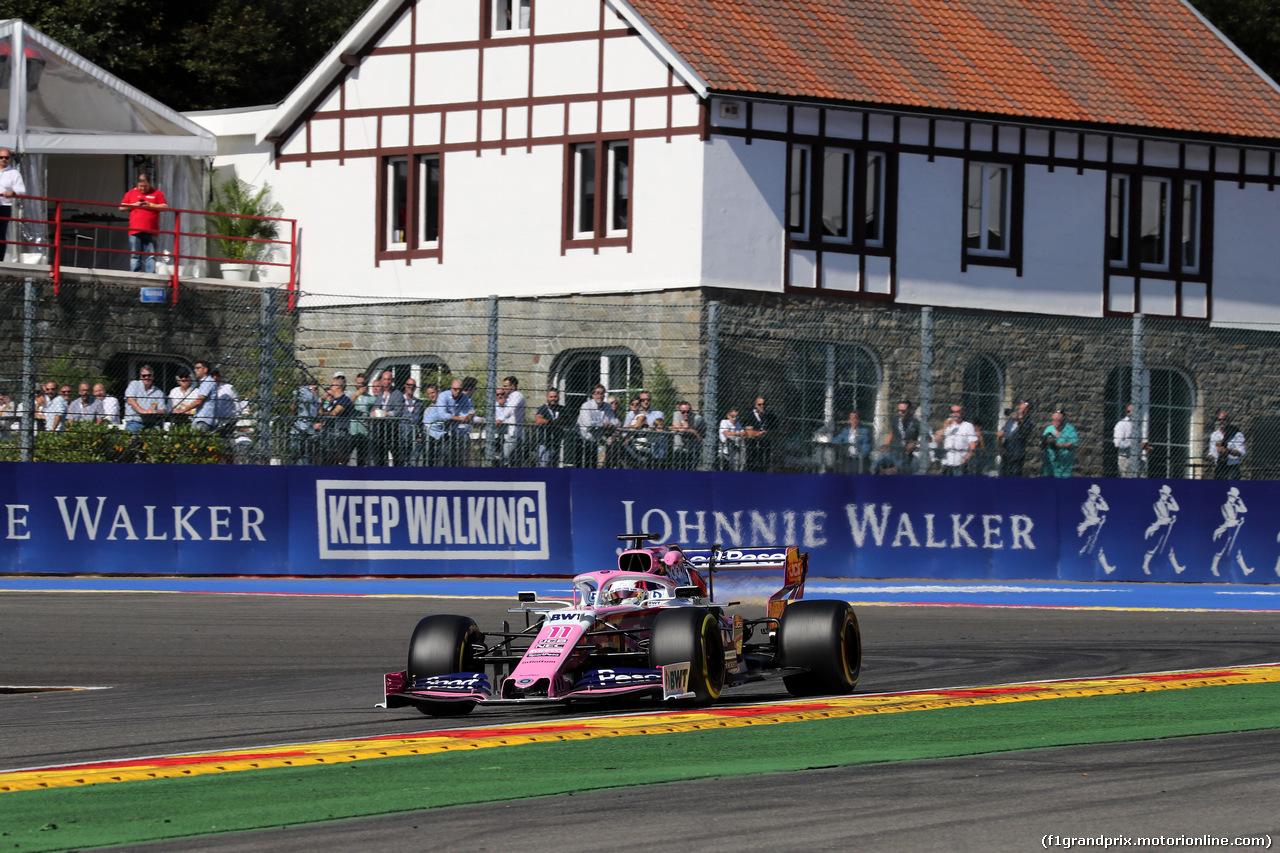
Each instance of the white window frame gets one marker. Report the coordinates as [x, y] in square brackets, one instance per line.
[1118, 204]
[1160, 218]
[842, 187]
[877, 164]
[799, 172]
[584, 182]
[511, 17]
[618, 188]
[989, 208]
[1191, 226]
[390, 182]
[424, 201]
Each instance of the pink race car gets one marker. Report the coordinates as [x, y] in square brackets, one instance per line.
[650, 627]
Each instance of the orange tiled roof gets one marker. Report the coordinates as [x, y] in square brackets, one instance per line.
[1130, 63]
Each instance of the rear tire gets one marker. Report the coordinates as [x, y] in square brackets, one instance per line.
[822, 636]
[692, 635]
[441, 645]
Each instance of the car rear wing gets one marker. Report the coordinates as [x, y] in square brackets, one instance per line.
[794, 566]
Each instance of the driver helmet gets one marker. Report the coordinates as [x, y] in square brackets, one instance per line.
[627, 591]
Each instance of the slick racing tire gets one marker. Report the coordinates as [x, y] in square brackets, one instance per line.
[690, 635]
[441, 645]
[822, 637]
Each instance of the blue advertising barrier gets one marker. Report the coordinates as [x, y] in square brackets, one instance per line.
[437, 522]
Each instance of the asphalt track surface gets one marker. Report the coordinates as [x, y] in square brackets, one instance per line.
[203, 672]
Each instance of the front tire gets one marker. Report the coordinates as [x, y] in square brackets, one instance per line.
[442, 645]
[821, 636]
[690, 635]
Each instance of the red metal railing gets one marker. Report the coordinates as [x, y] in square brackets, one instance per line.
[73, 223]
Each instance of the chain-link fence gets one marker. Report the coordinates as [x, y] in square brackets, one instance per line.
[684, 379]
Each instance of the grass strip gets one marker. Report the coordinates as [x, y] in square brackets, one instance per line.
[135, 812]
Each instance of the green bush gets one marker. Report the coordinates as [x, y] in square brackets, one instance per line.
[85, 442]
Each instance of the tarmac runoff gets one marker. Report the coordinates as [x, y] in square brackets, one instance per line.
[622, 725]
[1112, 596]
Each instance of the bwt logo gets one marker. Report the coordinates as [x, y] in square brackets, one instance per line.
[411, 520]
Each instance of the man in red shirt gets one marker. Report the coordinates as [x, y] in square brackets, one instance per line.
[143, 202]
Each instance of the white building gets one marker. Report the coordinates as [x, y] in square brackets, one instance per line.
[1061, 158]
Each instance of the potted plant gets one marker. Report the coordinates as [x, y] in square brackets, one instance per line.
[238, 235]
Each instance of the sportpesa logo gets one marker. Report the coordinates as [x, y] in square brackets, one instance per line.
[411, 520]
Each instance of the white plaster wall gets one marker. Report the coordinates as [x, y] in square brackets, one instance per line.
[630, 64]
[567, 16]
[447, 77]
[565, 68]
[743, 191]
[1246, 254]
[380, 82]
[506, 72]
[443, 21]
[501, 228]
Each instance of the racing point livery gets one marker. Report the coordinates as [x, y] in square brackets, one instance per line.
[649, 628]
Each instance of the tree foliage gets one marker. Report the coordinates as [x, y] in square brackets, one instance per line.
[1253, 25]
[197, 54]
[215, 54]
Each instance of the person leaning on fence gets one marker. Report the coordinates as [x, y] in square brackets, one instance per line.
[306, 411]
[733, 437]
[144, 403]
[1059, 441]
[688, 431]
[85, 408]
[1128, 449]
[11, 185]
[853, 446]
[1226, 448]
[384, 419]
[596, 423]
[958, 442]
[508, 423]
[205, 410]
[361, 403]
[903, 439]
[55, 412]
[45, 394]
[435, 426]
[1012, 439]
[143, 203]
[110, 405]
[551, 424]
[410, 446]
[760, 426]
[333, 425]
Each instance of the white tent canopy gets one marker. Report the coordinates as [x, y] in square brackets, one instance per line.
[58, 102]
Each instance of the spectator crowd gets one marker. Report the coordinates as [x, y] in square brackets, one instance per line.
[382, 422]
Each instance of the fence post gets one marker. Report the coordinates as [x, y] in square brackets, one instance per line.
[25, 397]
[711, 389]
[926, 389]
[491, 374]
[266, 372]
[1140, 396]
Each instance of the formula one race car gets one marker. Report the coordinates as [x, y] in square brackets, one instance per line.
[650, 627]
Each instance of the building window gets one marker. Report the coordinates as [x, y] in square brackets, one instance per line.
[411, 206]
[981, 397]
[396, 181]
[827, 382]
[511, 16]
[423, 370]
[1155, 224]
[599, 204]
[843, 190]
[578, 371]
[1170, 405]
[989, 216]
